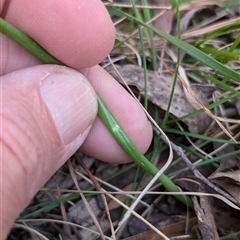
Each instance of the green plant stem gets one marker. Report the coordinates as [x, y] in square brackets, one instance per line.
[133, 152]
[26, 42]
[103, 113]
[140, 32]
[167, 113]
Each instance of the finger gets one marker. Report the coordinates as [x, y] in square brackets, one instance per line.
[78, 33]
[14, 57]
[46, 113]
[128, 113]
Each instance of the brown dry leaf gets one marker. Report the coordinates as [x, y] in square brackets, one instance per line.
[195, 4]
[227, 220]
[79, 215]
[209, 28]
[159, 90]
[227, 162]
[232, 188]
[195, 100]
[187, 18]
[230, 181]
[224, 149]
[206, 222]
[172, 230]
[164, 22]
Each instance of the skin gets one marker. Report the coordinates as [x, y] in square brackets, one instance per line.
[32, 146]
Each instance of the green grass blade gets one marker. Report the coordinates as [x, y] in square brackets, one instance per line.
[27, 43]
[167, 113]
[134, 153]
[189, 49]
[199, 136]
[221, 54]
[143, 57]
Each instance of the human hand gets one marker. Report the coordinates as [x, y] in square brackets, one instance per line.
[48, 111]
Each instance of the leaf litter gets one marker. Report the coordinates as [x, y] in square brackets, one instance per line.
[159, 90]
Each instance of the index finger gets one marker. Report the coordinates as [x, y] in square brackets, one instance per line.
[78, 33]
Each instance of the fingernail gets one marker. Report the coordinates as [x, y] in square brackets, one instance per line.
[71, 101]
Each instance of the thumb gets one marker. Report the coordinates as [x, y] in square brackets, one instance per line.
[46, 114]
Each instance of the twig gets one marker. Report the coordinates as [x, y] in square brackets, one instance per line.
[180, 152]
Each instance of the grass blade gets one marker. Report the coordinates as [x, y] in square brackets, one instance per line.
[189, 49]
[27, 43]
